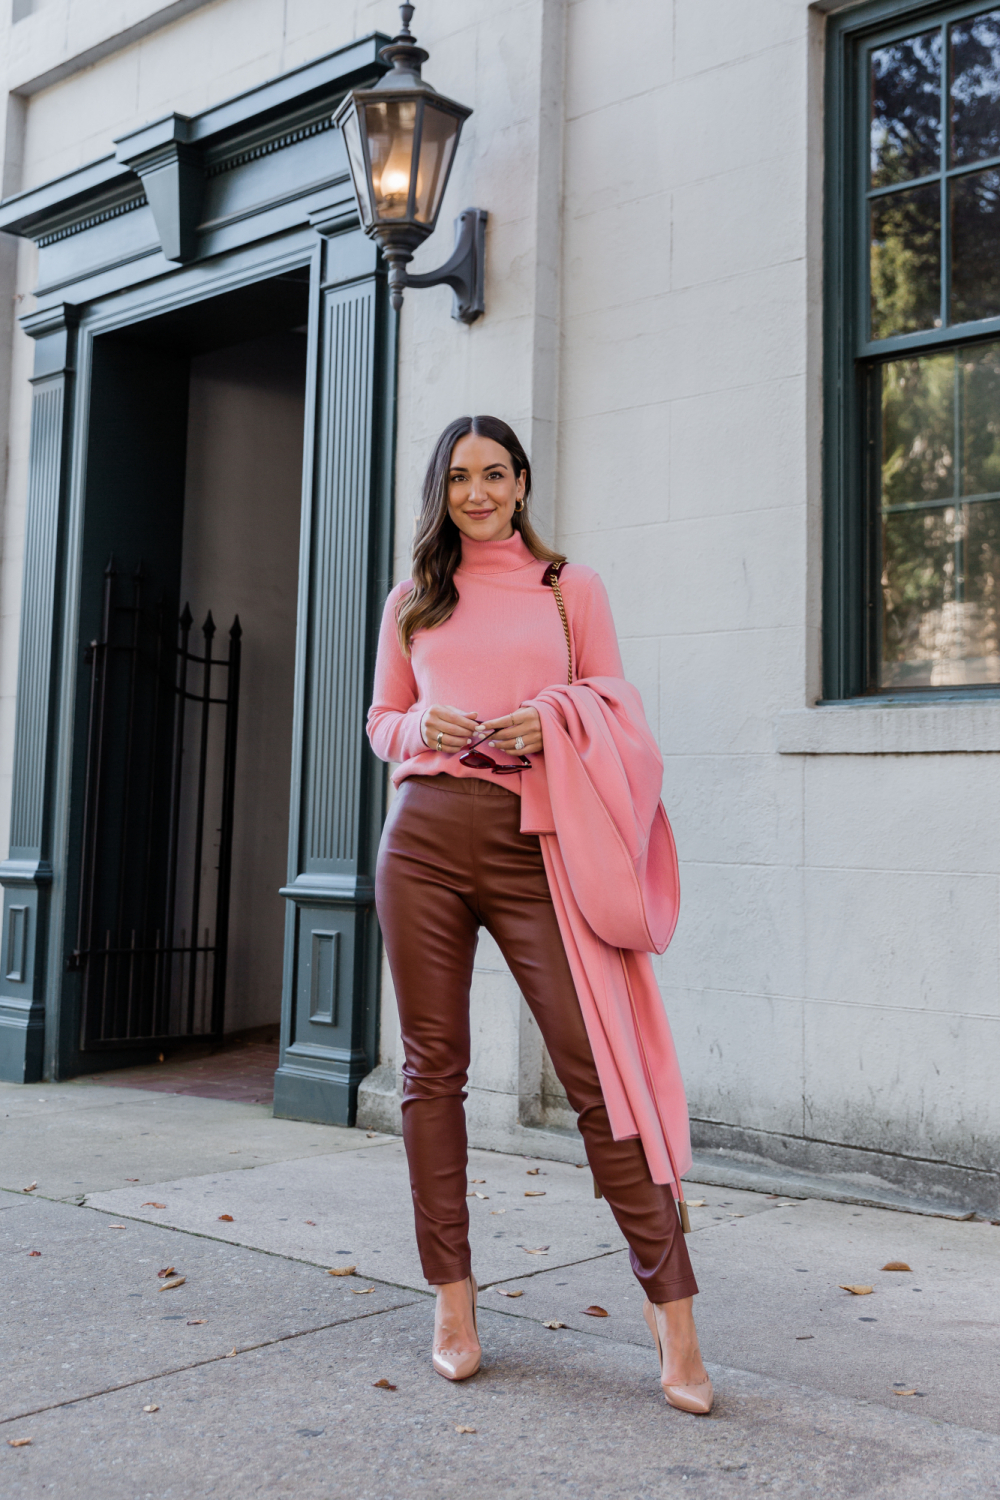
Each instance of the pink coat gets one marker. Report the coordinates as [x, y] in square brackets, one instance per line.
[594, 800]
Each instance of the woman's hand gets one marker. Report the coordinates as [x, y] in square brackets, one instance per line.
[454, 725]
[523, 724]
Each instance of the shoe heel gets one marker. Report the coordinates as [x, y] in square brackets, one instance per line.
[696, 1399]
[465, 1363]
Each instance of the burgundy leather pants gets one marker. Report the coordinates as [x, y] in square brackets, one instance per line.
[453, 859]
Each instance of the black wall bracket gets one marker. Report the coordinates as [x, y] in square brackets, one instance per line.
[464, 272]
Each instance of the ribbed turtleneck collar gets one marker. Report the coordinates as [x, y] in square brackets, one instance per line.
[495, 557]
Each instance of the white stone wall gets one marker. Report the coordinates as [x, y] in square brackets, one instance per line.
[653, 174]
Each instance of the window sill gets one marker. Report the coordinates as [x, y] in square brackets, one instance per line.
[866, 728]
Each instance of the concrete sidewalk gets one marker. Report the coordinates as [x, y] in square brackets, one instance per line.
[261, 1366]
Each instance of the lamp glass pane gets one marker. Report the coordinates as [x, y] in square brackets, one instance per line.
[437, 147]
[356, 162]
[389, 125]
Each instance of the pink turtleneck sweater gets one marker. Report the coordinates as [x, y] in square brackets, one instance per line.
[502, 645]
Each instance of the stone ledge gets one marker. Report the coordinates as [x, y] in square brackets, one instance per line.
[732, 1156]
[951, 728]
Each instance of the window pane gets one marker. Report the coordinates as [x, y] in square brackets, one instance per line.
[980, 646]
[941, 600]
[918, 427]
[905, 138]
[975, 88]
[906, 261]
[979, 372]
[975, 247]
[918, 592]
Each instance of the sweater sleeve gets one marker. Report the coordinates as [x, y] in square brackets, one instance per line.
[394, 718]
[595, 640]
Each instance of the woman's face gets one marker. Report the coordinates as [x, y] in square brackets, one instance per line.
[482, 489]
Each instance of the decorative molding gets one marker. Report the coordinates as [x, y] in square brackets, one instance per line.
[265, 147]
[339, 592]
[173, 177]
[139, 201]
[38, 614]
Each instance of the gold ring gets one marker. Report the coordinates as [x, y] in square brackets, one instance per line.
[440, 738]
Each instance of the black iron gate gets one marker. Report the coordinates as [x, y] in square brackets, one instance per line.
[160, 769]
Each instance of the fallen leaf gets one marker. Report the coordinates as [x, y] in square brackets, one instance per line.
[193, 1322]
[801, 1336]
[903, 1393]
[310, 1221]
[341, 1270]
[856, 1291]
[696, 1202]
[34, 1252]
[30, 1189]
[18, 1442]
[166, 1286]
[533, 1171]
[896, 1265]
[231, 1354]
[580, 1165]
[596, 1312]
[167, 1271]
[483, 1196]
[371, 1135]
[736, 1216]
[225, 1218]
[151, 1204]
[116, 1226]
[535, 1193]
[498, 1210]
[553, 1323]
[151, 1407]
[457, 1429]
[362, 1291]
[541, 1250]
[132, 1179]
[480, 1180]
[504, 1293]
[383, 1384]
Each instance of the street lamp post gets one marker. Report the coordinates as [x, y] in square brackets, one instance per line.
[401, 138]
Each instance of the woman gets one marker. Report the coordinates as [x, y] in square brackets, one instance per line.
[464, 646]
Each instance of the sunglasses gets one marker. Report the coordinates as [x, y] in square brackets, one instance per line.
[480, 761]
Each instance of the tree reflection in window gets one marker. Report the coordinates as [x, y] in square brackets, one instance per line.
[940, 505]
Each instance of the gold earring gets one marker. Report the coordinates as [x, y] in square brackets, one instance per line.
[518, 505]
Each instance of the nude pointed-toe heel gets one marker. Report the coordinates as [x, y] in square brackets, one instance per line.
[460, 1364]
[696, 1399]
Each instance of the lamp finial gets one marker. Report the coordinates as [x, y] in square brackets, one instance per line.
[404, 54]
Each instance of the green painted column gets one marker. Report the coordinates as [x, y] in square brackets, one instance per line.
[332, 950]
[26, 874]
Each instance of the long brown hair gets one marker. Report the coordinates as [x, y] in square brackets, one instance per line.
[437, 546]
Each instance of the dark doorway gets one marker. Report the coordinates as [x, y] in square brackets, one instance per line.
[194, 479]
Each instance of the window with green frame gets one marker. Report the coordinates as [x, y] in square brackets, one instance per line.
[912, 592]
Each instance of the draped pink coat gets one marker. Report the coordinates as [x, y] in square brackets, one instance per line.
[594, 800]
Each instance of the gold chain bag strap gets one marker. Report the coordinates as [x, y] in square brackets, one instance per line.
[551, 580]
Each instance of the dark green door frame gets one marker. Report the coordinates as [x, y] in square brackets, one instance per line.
[92, 281]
